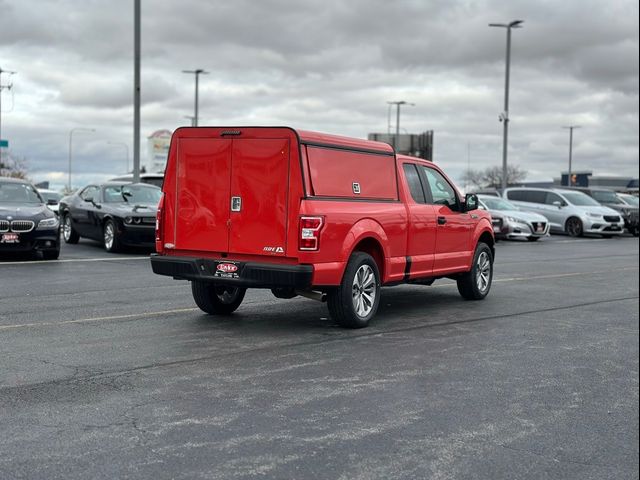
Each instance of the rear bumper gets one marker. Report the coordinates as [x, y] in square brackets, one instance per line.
[249, 274]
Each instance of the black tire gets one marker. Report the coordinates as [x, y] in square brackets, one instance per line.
[51, 254]
[217, 300]
[110, 237]
[636, 231]
[533, 239]
[573, 227]
[476, 283]
[68, 233]
[355, 302]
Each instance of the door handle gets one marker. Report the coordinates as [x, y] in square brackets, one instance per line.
[442, 220]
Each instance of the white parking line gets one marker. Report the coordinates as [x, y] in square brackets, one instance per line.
[194, 309]
[97, 319]
[74, 260]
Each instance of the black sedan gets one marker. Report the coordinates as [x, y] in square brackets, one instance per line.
[27, 225]
[115, 213]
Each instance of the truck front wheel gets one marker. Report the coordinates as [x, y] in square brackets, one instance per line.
[475, 284]
[217, 300]
[356, 300]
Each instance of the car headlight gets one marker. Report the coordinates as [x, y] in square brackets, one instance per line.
[48, 223]
[515, 220]
[594, 215]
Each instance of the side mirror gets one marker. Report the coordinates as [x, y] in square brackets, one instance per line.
[470, 202]
[558, 204]
[89, 199]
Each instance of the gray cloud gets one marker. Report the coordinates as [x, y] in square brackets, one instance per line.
[329, 66]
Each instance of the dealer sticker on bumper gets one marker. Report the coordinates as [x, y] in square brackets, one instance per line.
[10, 238]
[226, 270]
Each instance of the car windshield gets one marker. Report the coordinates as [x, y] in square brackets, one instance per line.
[132, 194]
[18, 193]
[495, 203]
[50, 196]
[580, 199]
[606, 196]
[630, 199]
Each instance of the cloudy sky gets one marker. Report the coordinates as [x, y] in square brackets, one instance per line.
[330, 66]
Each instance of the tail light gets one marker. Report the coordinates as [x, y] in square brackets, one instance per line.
[159, 225]
[310, 232]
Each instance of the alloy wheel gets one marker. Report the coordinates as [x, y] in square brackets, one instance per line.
[109, 236]
[483, 272]
[364, 290]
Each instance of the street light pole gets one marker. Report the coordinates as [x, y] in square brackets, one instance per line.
[396, 139]
[136, 89]
[504, 116]
[570, 128]
[77, 129]
[126, 148]
[197, 73]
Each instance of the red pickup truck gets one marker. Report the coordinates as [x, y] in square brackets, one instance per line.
[304, 213]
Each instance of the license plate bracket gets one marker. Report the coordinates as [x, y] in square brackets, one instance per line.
[10, 238]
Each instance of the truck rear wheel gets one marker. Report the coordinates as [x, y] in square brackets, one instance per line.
[217, 300]
[476, 283]
[356, 300]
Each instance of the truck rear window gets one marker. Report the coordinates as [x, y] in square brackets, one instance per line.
[349, 174]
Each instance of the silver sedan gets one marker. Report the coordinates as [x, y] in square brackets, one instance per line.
[510, 222]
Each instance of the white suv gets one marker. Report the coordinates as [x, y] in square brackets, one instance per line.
[568, 211]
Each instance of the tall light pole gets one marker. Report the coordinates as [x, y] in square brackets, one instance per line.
[396, 139]
[126, 148]
[136, 91]
[504, 116]
[71, 132]
[197, 73]
[570, 127]
[8, 87]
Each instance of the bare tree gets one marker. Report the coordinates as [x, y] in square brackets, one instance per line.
[14, 167]
[492, 176]
[473, 178]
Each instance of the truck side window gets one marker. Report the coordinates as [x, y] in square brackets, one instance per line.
[413, 179]
[441, 192]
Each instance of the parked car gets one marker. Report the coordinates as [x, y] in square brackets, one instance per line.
[323, 216]
[26, 224]
[114, 213]
[514, 222]
[629, 199]
[52, 198]
[568, 211]
[150, 178]
[610, 199]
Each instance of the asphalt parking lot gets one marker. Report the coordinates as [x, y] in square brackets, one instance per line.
[109, 371]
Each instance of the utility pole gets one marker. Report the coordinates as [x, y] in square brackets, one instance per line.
[197, 73]
[136, 91]
[7, 87]
[570, 128]
[396, 139]
[504, 116]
